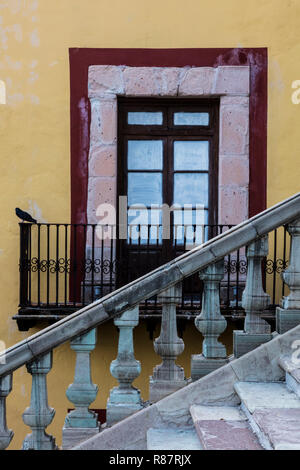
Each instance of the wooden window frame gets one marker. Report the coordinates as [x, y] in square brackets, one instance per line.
[168, 133]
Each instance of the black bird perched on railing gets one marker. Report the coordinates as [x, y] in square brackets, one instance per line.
[24, 216]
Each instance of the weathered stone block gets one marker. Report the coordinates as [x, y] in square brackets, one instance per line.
[232, 80]
[286, 319]
[103, 161]
[73, 436]
[233, 205]
[234, 127]
[197, 81]
[201, 366]
[146, 81]
[105, 79]
[159, 389]
[245, 342]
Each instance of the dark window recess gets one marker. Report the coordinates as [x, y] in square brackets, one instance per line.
[167, 155]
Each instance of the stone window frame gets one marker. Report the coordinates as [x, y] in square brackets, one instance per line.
[230, 83]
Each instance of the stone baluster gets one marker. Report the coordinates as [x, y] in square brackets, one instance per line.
[81, 423]
[6, 435]
[39, 415]
[254, 301]
[288, 314]
[168, 377]
[124, 399]
[210, 323]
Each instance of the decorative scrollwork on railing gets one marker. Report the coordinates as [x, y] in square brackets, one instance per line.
[106, 266]
[235, 266]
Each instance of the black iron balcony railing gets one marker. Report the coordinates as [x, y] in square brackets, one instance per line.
[64, 267]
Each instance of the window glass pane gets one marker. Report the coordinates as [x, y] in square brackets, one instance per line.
[191, 188]
[144, 188]
[145, 225]
[145, 118]
[191, 155]
[145, 154]
[191, 119]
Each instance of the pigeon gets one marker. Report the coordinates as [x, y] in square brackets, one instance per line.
[24, 216]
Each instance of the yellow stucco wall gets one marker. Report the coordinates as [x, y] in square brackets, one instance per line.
[34, 126]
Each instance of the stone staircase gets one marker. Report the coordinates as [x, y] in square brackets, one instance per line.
[247, 404]
[268, 417]
[247, 401]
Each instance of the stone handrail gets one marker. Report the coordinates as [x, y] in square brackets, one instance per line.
[155, 282]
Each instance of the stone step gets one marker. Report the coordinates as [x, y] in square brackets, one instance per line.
[292, 373]
[223, 428]
[173, 439]
[273, 412]
[256, 395]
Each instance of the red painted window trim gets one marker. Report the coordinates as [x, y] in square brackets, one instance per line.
[81, 59]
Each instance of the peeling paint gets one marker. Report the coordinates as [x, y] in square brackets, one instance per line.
[34, 99]
[34, 38]
[15, 99]
[9, 63]
[33, 63]
[33, 77]
[276, 81]
[2, 92]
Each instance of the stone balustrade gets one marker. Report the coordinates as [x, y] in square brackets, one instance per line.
[122, 307]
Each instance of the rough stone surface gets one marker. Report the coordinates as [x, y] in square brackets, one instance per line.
[286, 319]
[226, 435]
[233, 204]
[232, 80]
[240, 176]
[210, 322]
[105, 79]
[291, 367]
[124, 399]
[82, 392]
[167, 377]
[280, 426]
[245, 342]
[103, 161]
[159, 389]
[6, 435]
[216, 389]
[234, 130]
[266, 395]
[102, 190]
[291, 275]
[197, 81]
[142, 81]
[173, 439]
[73, 436]
[201, 366]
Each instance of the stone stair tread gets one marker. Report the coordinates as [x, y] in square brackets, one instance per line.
[280, 426]
[173, 439]
[257, 395]
[215, 413]
[289, 366]
[223, 428]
